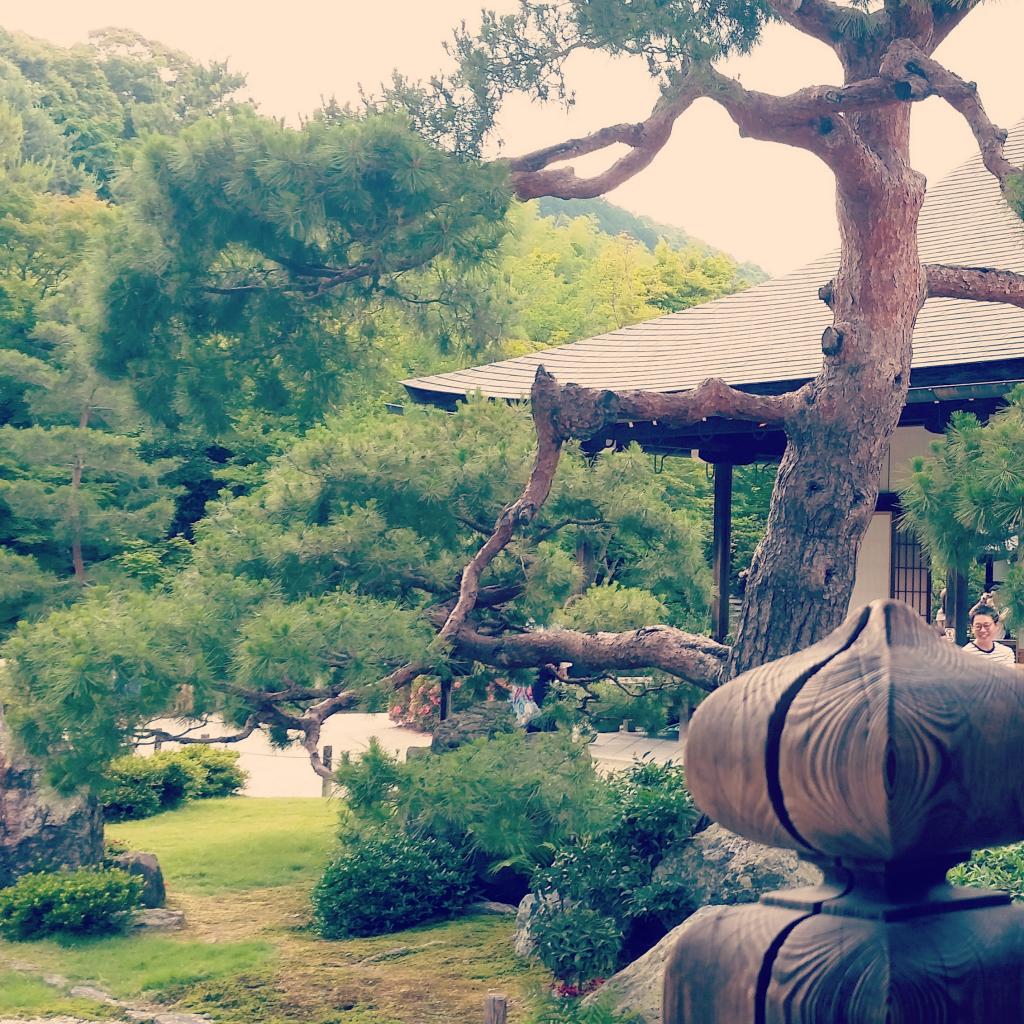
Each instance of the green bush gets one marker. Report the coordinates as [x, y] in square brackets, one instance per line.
[89, 901]
[139, 787]
[1000, 868]
[221, 774]
[574, 942]
[549, 1009]
[612, 873]
[513, 799]
[384, 880]
[134, 786]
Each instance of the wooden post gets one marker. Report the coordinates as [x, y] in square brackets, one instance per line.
[884, 757]
[495, 1009]
[328, 760]
[957, 606]
[445, 707]
[721, 548]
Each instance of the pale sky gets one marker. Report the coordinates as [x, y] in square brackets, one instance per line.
[758, 201]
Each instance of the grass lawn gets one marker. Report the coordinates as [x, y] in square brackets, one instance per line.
[22, 995]
[241, 869]
[218, 846]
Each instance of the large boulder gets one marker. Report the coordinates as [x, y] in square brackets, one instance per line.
[485, 720]
[722, 867]
[718, 867]
[145, 867]
[39, 829]
[637, 990]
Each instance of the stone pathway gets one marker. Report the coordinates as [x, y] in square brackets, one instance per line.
[613, 750]
[143, 1013]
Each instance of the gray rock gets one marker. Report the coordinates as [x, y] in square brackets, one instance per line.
[158, 919]
[522, 941]
[721, 867]
[146, 867]
[637, 989]
[487, 719]
[97, 995]
[414, 752]
[494, 908]
[39, 829]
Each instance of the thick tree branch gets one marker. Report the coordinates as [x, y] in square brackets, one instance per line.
[550, 435]
[561, 412]
[695, 659]
[907, 64]
[981, 284]
[809, 119]
[531, 176]
[186, 736]
[596, 410]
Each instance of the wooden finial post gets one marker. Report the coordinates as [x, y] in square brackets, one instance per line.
[495, 1009]
[883, 755]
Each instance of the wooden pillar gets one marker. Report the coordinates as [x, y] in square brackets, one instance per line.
[721, 550]
[328, 759]
[957, 606]
[495, 1009]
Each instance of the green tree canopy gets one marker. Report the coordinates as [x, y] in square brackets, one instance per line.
[219, 285]
[330, 576]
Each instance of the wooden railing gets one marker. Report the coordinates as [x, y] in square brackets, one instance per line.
[884, 755]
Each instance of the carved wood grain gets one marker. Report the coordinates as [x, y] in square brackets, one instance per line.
[959, 968]
[880, 743]
[730, 760]
[714, 973]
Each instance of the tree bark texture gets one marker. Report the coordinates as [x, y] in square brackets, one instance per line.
[802, 574]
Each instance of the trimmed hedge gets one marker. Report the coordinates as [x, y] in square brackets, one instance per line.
[90, 901]
[139, 787]
[385, 880]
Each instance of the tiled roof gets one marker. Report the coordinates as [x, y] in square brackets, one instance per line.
[770, 334]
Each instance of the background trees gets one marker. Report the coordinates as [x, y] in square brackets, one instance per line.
[220, 320]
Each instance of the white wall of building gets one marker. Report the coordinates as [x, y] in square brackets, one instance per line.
[873, 576]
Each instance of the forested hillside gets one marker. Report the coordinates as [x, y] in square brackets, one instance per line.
[198, 304]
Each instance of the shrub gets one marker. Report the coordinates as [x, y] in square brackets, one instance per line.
[1000, 868]
[89, 901]
[573, 941]
[551, 1010]
[386, 879]
[221, 774]
[655, 810]
[139, 787]
[133, 788]
[513, 798]
[612, 873]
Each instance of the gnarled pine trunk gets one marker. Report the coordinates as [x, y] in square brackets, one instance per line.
[802, 573]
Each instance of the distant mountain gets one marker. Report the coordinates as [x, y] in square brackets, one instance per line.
[614, 220]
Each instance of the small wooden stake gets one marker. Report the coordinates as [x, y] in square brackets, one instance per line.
[495, 1009]
[326, 786]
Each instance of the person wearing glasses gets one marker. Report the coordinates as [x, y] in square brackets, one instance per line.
[984, 622]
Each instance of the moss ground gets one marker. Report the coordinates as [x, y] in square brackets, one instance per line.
[241, 870]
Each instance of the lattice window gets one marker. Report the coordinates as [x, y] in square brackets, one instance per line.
[911, 578]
